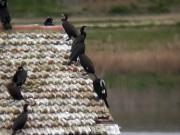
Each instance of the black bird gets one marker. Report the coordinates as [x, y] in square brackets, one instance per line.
[20, 76]
[79, 50]
[48, 22]
[4, 15]
[21, 120]
[68, 27]
[78, 46]
[80, 39]
[87, 64]
[14, 91]
[100, 89]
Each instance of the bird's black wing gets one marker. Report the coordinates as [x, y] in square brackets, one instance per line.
[87, 64]
[80, 49]
[14, 91]
[20, 121]
[14, 79]
[21, 77]
[79, 39]
[97, 87]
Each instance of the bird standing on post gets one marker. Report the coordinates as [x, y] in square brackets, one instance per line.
[4, 15]
[68, 27]
[100, 89]
[20, 76]
[21, 120]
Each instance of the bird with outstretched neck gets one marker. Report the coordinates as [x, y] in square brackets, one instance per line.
[68, 27]
[4, 15]
[20, 76]
[80, 39]
[100, 89]
[21, 120]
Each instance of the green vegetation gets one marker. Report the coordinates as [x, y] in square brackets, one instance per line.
[146, 7]
[43, 8]
[134, 39]
[125, 42]
[34, 8]
[143, 81]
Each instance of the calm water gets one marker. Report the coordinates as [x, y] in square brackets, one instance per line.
[150, 133]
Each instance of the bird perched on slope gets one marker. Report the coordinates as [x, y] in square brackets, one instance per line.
[80, 39]
[48, 22]
[100, 89]
[87, 64]
[14, 91]
[20, 76]
[4, 15]
[21, 120]
[68, 27]
[78, 46]
[79, 50]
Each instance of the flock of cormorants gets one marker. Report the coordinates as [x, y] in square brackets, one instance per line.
[77, 51]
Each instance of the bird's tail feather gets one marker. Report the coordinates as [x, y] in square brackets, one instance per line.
[106, 102]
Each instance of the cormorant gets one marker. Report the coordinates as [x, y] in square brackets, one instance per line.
[20, 76]
[48, 22]
[68, 27]
[80, 39]
[100, 89]
[79, 50]
[21, 120]
[78, 46]
[14, 91]
[87, 64]
[4, 15]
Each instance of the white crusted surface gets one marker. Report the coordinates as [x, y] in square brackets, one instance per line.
[61, 96]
